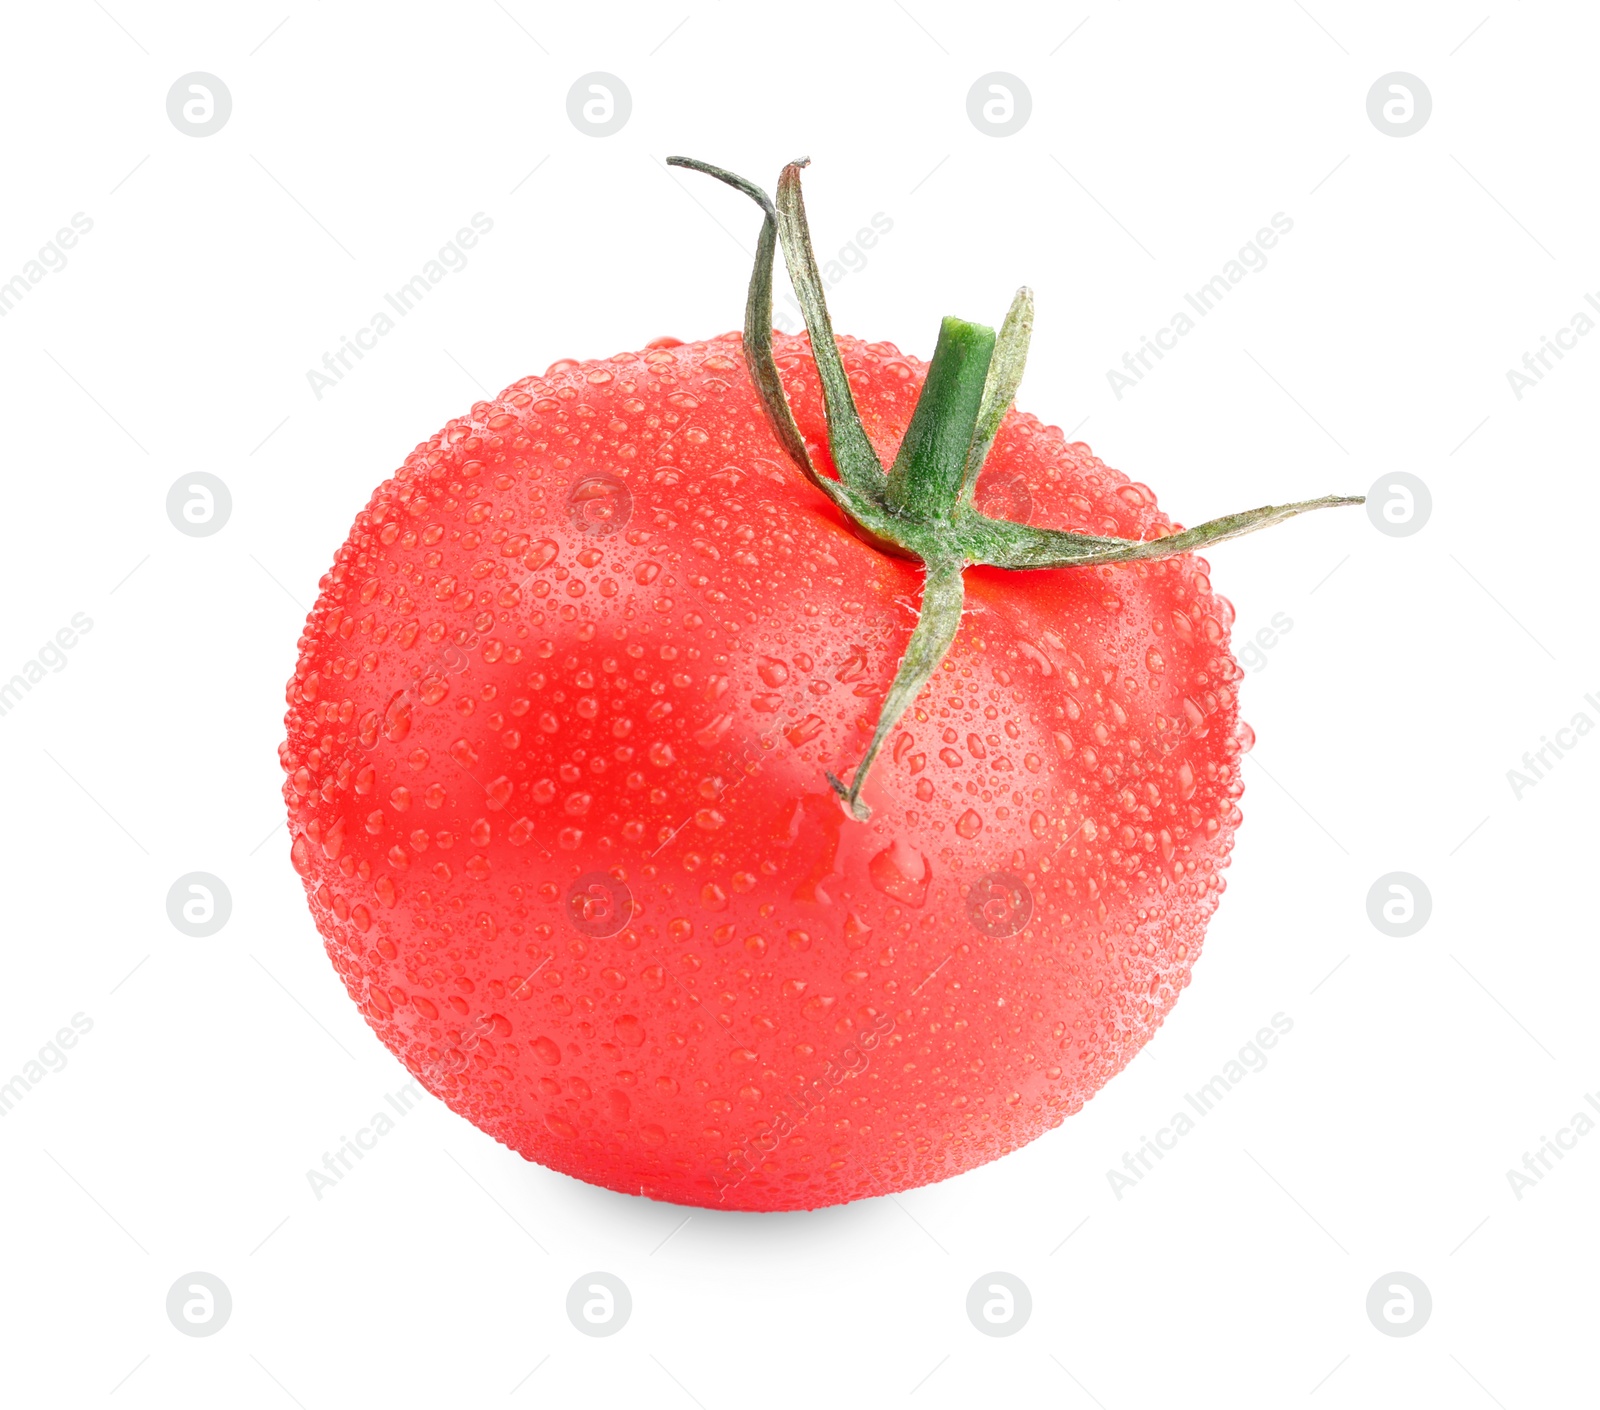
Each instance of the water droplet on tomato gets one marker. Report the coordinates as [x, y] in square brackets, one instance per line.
[901, 873]
[397, 718]
[805, 731]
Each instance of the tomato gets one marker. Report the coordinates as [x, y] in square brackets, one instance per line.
[766, 772]
[555, 773]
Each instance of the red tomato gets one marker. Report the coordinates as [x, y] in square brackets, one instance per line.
[555, 765]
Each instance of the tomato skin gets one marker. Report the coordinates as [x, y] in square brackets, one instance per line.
[555, 757]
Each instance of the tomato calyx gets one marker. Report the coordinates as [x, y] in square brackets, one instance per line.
[922, 506]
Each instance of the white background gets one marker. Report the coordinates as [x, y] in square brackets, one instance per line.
[177, 339]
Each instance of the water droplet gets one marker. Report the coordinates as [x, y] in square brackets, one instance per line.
[805, 731]
[397, 718]
[902, 873]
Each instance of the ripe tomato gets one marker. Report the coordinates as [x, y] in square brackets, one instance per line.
[556, 755]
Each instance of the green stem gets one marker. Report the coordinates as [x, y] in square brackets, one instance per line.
[923, 508]
[758, 356]
[938, 620]
[1002, 544]
[1000, 386]
[853, 455]
[928, 472]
